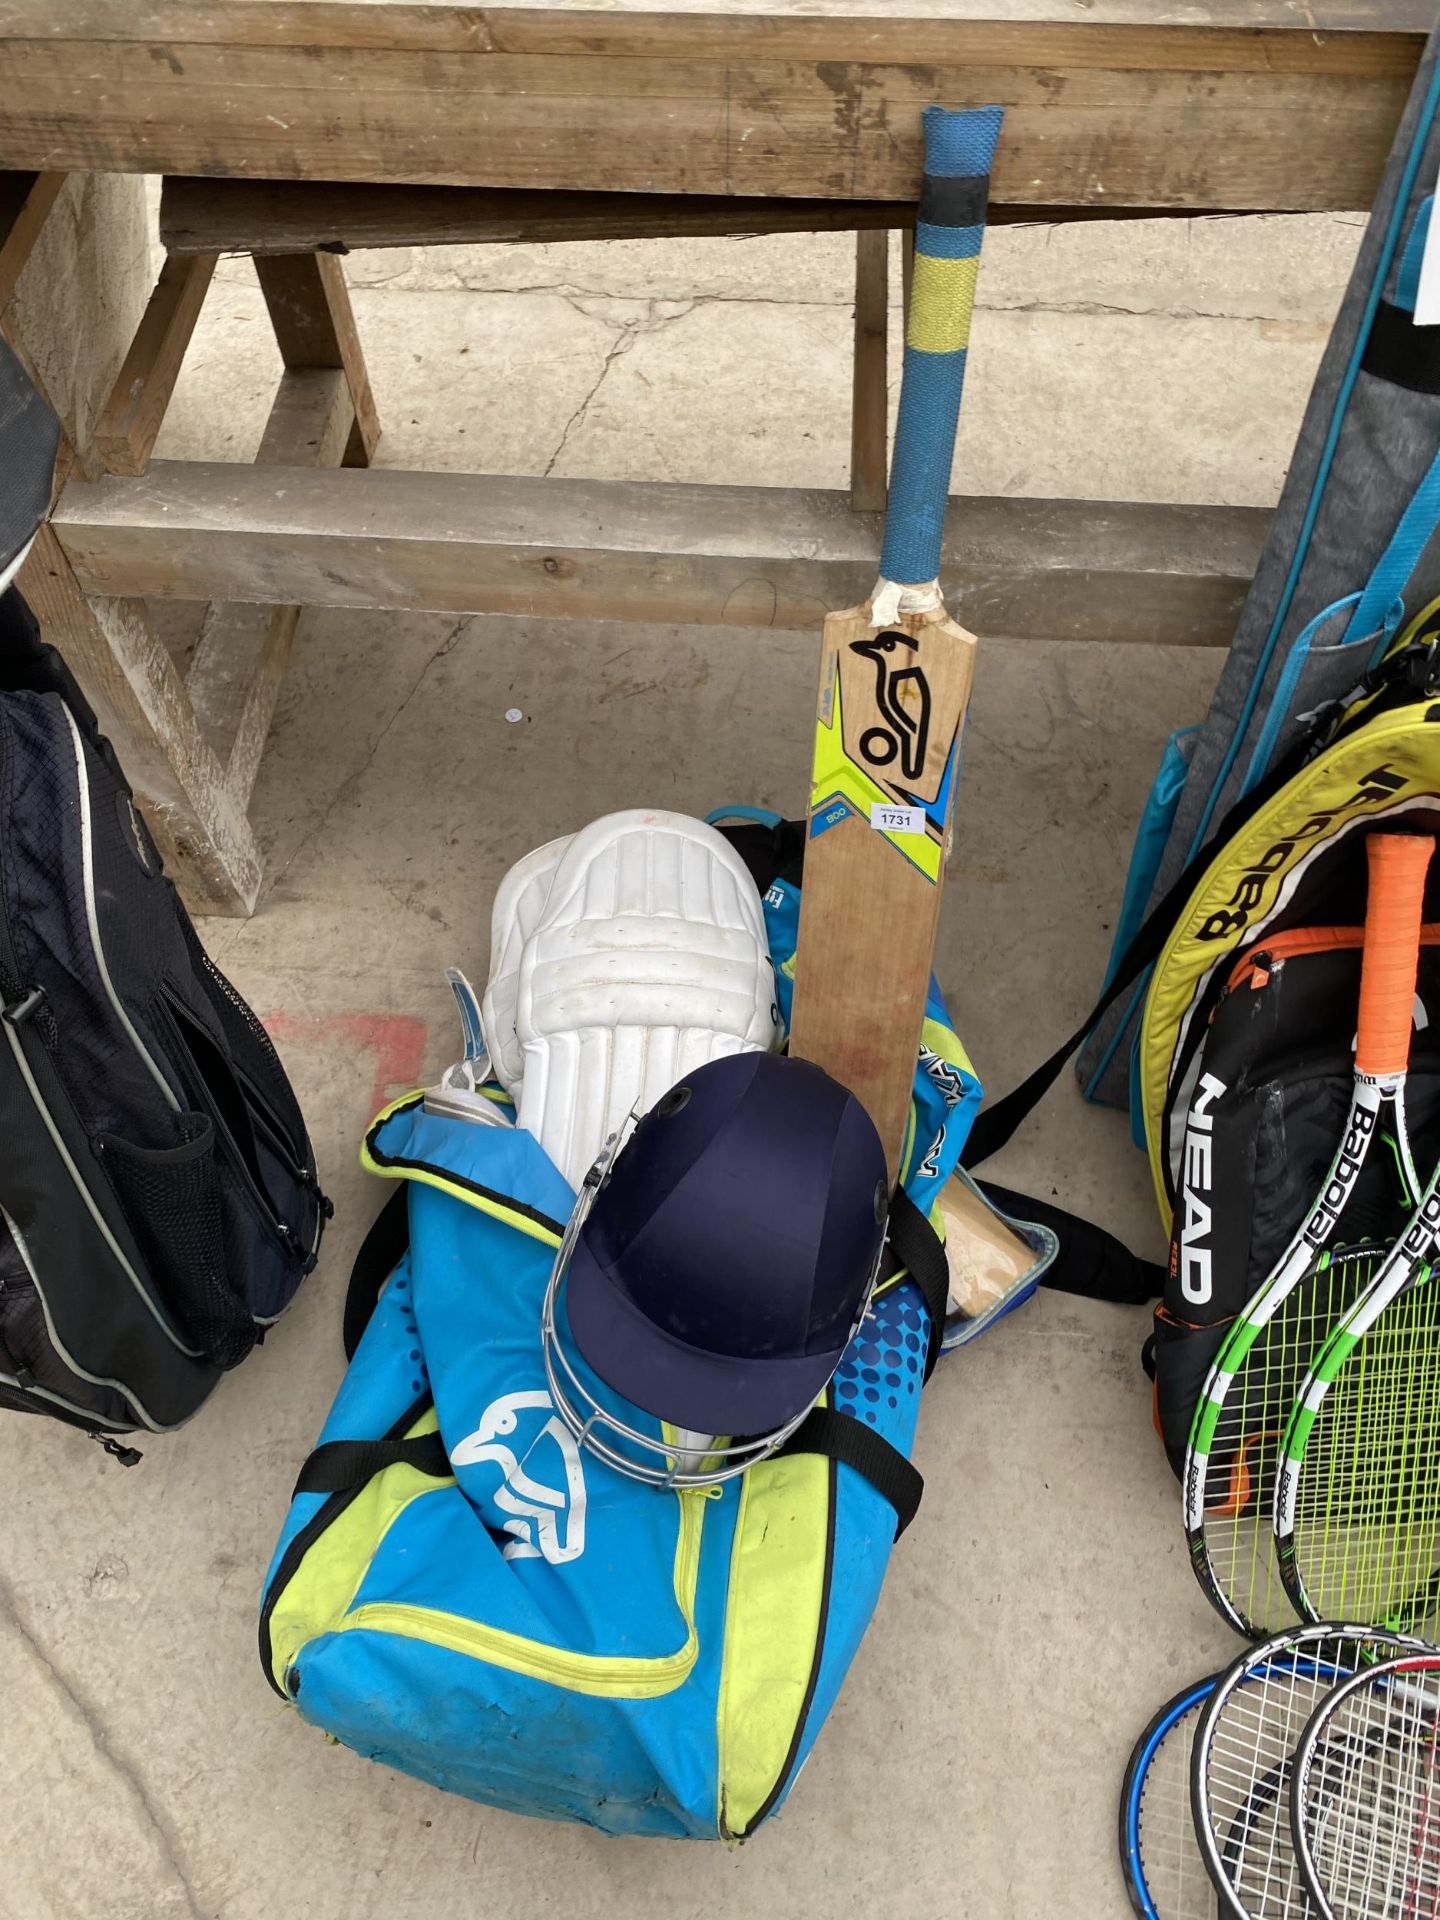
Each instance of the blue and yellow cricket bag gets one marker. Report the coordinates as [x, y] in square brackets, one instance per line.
[463, 1593]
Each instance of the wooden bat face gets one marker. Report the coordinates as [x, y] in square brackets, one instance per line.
[891, 706]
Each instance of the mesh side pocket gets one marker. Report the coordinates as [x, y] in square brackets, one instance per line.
[171, 1197]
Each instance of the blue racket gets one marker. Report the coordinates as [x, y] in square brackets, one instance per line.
[1165, 1876]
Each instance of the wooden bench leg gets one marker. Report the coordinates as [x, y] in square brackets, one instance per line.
[243, 650]
[315, 326]
[130, 420]
[870, 398]
[131, 682]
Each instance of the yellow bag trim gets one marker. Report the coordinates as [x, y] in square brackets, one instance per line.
[607, 1676]
[773, 1619]
[329, 1576]
[425, 1176]
[1390, 765]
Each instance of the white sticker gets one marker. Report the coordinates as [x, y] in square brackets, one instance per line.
[897, 819]
[1427, 295]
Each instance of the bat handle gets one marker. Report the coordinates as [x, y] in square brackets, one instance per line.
[959, 148]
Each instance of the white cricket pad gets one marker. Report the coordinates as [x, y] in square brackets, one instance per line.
[621, 959]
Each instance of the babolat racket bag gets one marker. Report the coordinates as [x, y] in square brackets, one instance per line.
[1245, 1057]
[158, 1197]
[520, 1564]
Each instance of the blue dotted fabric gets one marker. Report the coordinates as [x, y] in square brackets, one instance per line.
[885, 1363]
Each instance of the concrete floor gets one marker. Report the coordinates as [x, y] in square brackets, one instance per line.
[1041, 1606]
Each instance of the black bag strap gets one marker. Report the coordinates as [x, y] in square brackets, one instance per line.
[1090, 1261]
[381, 1251]
[997, 1125]
[841, 1437]
[343, 1466]
[918, 1248]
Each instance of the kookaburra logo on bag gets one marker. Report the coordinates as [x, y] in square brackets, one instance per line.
[1193, 1252]
[547, 1520]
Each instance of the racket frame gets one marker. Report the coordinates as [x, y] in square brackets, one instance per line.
[1407, 1265]
[1308, 1749]
[1132, 1789]
[1255, 1664]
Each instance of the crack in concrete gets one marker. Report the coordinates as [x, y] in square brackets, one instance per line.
[159, 1823]
[1100, 307]
[628, 331]
[574, 294]
[353, 779]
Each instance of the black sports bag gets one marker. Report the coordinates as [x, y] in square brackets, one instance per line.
[158, 1196]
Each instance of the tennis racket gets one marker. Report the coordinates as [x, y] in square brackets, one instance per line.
[1365, 1795]
[1164, 1875]
[1357, 1497]
[1244, 1747]
[1235, 1441]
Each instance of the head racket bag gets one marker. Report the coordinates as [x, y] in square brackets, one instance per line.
[466, 1594]
[1247, 1025]
[158, 1196]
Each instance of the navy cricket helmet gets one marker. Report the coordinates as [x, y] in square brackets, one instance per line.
[717, 1265]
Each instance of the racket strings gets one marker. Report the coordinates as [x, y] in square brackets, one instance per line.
[1246, 1781]
[1244, 1452]
[1366, 1528]
[1368, 1800]
[1244, 1760]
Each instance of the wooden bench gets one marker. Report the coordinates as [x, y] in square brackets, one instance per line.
[391, 125]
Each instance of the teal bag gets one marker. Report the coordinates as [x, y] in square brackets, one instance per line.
[465, 1595]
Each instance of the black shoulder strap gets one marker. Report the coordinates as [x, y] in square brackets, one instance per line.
[997, 1125]
[381, 1251]
[340, 1466]
[917, 1248]
[840, 1436]
[1091, 1261]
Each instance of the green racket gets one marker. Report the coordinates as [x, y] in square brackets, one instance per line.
[1357, 1494]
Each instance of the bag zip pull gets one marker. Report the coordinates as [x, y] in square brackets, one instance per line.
[127, 1456]
[23, 1006]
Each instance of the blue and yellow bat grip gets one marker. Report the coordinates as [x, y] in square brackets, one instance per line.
[959, 149]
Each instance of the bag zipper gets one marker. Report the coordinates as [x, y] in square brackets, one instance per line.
[258, 1199]
[92, 920]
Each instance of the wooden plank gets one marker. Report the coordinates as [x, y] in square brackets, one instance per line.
[283, 216]
[1203, 107]
[130, 420]
[625, 550]
[870, 397]
[25, 203]
[314, 324]
[131, 682]
[243, 650]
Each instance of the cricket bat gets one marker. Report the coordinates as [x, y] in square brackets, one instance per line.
[894, 684]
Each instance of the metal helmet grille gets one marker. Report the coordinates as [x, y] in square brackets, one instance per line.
[672, 1456]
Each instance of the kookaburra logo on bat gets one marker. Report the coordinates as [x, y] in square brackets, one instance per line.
[902, 699]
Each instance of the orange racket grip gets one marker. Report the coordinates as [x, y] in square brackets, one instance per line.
[1391, 959]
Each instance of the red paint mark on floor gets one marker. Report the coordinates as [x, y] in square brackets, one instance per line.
[394, 1041]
